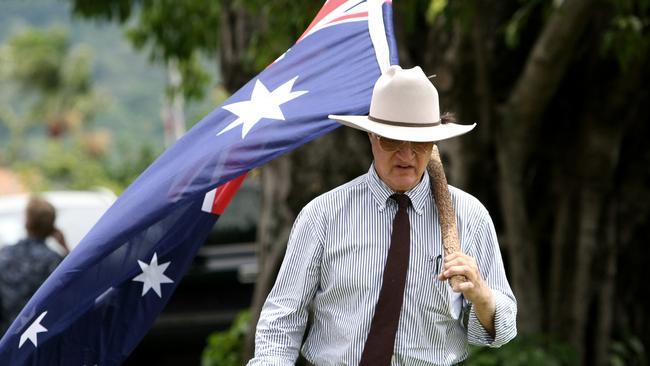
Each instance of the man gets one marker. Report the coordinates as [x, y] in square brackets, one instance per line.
[25, 265]
[365, 259]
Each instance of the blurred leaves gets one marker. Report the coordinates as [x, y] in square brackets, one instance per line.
[46, 106]
[64, 167]
[188, 30]
[115, 10]
[225, 348]
[627, 37]
[436, 8]
[176, 29]
[194, 78]
[628, 351]
[34, 58]
[513, 28]
[524, 351]
[54, 88]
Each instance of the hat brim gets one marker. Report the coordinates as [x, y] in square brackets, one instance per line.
[417, 134]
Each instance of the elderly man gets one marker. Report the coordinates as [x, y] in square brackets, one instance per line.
[25, 265]
[366, 258]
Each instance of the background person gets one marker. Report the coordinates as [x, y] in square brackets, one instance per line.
[25, 265]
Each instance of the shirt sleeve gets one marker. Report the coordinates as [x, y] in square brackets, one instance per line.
[284, 314]
[486, 251]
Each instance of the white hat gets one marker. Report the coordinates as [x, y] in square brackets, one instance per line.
[405, 107]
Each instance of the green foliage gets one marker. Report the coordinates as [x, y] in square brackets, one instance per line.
[436, 8]
[443, 14]
[117, 10]
[523, 351]
[34, 58]
[176, 29]
[53, 87]
[126, 170]
[46, 106]
[627, 37]
[283, 22]
[194, 79]
[513, 28]
[225, 348]
[173, 31]
[158, 29]
[183, 31]
[41, 62]
[64, 167]
[628, 351]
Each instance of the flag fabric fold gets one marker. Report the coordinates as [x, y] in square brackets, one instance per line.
[104, 297]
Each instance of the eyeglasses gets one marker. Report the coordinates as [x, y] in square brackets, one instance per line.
[390, 145]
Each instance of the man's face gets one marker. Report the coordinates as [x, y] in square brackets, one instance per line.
[400, 166]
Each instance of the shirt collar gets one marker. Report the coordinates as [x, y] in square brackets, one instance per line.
[381, 192]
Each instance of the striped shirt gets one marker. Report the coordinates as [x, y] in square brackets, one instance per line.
[333, 268]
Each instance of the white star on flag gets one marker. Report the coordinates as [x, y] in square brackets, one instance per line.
[263, 104]
[152, 275]
[33, 330]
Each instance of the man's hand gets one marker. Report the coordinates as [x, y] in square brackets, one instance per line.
[58, 236]
[475, 290]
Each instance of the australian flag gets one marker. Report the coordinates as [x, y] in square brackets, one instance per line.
[106, 294]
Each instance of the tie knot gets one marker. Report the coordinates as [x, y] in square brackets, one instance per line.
[403, 201]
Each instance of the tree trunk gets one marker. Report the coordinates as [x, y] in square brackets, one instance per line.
[521, 118]
[607, 291]
[275, 223]
[235, 29]
[561, 252]
[598, 161]
[173, 106]
[590, 215]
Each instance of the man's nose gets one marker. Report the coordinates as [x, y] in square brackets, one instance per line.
[406, 150]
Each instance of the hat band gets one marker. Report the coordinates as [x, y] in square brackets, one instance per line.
[403, 124]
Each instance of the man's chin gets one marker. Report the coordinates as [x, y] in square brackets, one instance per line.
[403, 185]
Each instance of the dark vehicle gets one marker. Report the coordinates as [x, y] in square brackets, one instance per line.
[217, 287]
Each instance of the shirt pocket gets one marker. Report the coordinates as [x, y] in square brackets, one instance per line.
[429, 293]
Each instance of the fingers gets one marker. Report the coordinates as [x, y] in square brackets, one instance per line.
[463, 286]
[461, 264]
[462, 270]
[473, 288]
[457, 258]
[455, 255]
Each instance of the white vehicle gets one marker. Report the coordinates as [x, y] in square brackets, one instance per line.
[76, 213]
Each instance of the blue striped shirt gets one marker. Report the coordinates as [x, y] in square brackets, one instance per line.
[333, 268]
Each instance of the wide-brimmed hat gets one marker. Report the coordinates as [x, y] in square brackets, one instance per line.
[404, 106]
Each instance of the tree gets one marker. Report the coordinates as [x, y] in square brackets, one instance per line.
[55, 87]
[546, 105]
[558, 157]
[47, 106]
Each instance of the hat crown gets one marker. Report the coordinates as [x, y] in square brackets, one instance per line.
[405, 96]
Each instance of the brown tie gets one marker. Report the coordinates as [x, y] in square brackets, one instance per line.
[378, 349]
